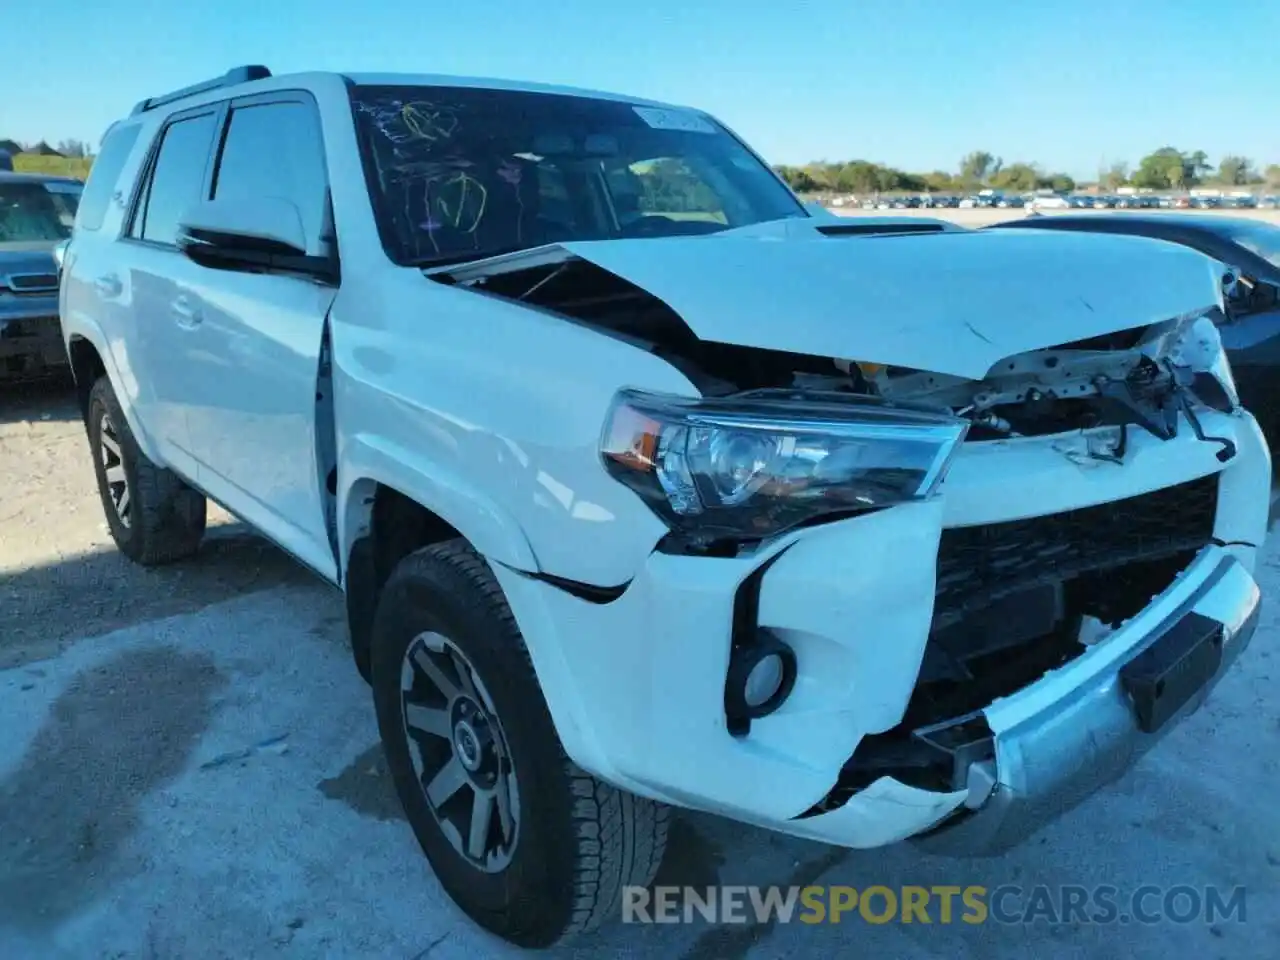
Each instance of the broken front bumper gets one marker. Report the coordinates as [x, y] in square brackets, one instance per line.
[636, 685]
[1079, 728]
[30, 338]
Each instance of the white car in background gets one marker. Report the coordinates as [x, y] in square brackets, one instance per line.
[646, 488]
[1054, 202]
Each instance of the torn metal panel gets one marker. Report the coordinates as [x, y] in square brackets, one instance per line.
[952, 303]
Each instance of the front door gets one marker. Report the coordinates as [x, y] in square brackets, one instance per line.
[250, 362]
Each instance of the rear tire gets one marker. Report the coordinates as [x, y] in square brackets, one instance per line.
[554, 863]
[154, 516]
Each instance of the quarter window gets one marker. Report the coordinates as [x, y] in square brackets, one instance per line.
[101, 186]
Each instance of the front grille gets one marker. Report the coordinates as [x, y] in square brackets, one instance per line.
[981, 564]
[33, 282]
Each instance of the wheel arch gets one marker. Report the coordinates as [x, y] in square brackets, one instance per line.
[87, 367]
[384, 515]
[89, 362]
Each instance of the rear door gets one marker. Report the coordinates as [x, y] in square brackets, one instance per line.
[250, 363]
[160, 280]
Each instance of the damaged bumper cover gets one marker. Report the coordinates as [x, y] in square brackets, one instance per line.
[30, 335]
[639, 681]
[1059, 740]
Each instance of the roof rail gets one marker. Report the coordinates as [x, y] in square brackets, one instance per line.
[233, 77]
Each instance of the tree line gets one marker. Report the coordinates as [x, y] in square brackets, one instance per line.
[1165, 169]
[70, 158]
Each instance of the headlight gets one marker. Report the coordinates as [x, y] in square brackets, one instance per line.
[1201, 363]
[752, 466]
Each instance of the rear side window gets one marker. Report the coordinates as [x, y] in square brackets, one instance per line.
[177, 178]
[275, 150]
[101, 186]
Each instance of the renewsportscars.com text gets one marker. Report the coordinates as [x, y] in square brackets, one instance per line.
[940, 904]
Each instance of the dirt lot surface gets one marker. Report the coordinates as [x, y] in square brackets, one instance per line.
[189, 769]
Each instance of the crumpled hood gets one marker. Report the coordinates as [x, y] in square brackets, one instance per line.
[952, 303]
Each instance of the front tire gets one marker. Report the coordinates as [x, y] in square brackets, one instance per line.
[153, 515]
[531, 847]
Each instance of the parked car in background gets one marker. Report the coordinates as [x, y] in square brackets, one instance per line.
[36, 214]
[1052, 202]
[1250, 330]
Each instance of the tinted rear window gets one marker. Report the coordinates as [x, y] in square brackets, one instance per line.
[178, 177]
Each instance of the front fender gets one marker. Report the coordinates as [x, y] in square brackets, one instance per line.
[368, 459]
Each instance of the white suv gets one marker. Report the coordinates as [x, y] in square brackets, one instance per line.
[647, 488]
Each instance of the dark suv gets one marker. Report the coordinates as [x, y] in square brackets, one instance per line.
[36, 213]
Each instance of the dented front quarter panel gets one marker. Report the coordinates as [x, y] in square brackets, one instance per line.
[490, 415]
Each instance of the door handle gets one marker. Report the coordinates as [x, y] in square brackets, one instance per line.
[108, 286]
[186, 312]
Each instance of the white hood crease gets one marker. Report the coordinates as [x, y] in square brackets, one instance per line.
[950, 303]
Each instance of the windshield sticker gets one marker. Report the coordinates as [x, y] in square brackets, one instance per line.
[682, 120]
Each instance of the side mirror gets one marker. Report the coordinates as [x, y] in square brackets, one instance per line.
[260, 234]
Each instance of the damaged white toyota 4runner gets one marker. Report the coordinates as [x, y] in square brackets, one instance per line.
[647, 488]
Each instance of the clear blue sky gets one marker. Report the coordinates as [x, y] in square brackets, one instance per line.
[912, 83]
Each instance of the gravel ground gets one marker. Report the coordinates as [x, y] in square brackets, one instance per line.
[189, 768]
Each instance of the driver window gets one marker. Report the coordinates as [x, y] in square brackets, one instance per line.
[665, 187]
[288, 132]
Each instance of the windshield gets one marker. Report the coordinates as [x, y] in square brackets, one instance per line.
[32, 211]
[460, 173]
[1260, 239]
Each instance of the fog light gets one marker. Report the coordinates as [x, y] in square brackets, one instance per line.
[764, 681]
[761, 677]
